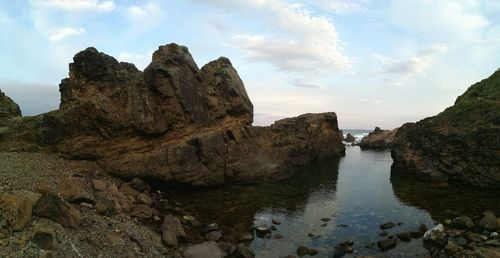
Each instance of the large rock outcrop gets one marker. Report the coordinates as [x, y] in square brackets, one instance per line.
[173, 121]
[461, 143]
[378, 139]
[8, 109]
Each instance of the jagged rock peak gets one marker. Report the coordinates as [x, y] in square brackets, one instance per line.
[8, 109]
[173, 54]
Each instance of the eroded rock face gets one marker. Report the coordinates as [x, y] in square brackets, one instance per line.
[8, 109]
[378, 139]
[460, 143]
[173, 122]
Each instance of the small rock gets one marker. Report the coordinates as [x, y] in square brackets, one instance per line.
[302, 251]
[204, 250]
[213, 236]
[99, 185]
[4, 233]
[423, 228]
[461, 241]
[452, 248]
[387, 244]
[262, 230]
[492, 242]
[173, 224]
[128, 190]
[243, 251]
[436, 236]
[273, 228]
[310, 234]
[494, 235]
[276, 222]
[139, 185]
[383, 233]
[144, 199]
[169, 238]
[448, 222]
[312, 252]
[212, 227]
[76, 189]
[323, 225]
[488, 222]
[142, 211]
[404, 236]
[56, 209]
[474, 237]
[188, 219]
[463, 222]
[325, 219]
[44, 237]
[278, 236]
[387, 225]
[245, 237]
[342, 226]
[104, 205]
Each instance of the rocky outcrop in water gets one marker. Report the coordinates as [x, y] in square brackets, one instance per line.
[8, 109]
[461, 143]
[173, 121]
[378, 139]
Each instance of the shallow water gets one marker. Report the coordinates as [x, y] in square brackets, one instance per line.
[356, 192]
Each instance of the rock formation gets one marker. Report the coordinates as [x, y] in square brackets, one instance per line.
[173, 122]
[461, 143]
[378, 139]
[8, 109]
[349, 138]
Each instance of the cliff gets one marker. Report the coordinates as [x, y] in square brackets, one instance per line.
[461, 143]
[8, 109]
[173, 121]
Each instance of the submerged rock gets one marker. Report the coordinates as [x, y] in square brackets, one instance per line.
[172, 122]
[460, 143]
[387, 244]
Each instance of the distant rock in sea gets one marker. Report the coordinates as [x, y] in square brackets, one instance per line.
[173, 121]
[378, 139]
[461, 143]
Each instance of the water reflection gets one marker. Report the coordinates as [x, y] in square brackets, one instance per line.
[357, 194]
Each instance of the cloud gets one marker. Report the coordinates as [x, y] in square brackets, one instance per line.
[416, 63]
[304, 84]
[146, 16]
[32, 98]
[78, 5]
[341, 6]
[64, 33]
[296, 40]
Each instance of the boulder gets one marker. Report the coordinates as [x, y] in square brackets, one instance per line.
[52, 207]
[463, 222]
[171, 229]
[204, 250]
[378, 139]
[8, 110]
[76, 189]
[436, 236]
[16, 208]
[172, 122]
[460, 143]
[488, 222]
[387, 244]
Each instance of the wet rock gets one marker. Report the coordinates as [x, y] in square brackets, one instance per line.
[16, 209]
[474, 237]
[323, 225]
[273, 228]
[190, 220]
[342, 226]
[245, 237]
[448, 222]
[404, 236]
[387, 244]
[310, 234]
[243, 251]
[436, 236]
[423, 228]
[278, 236]
[461, 241]
[142, 211]
[56, 209]
[262, 230]
[139, 185]
[387, 225]
[44, 237]
[349, 138]
[463, 222]
[302, 251]
[213, 236]
[492, 242]
[452, 247]
[312, 252]
[494, 235]
[144, 199]
[383, 233]
[76, 189]
[212, 227]
[488, 222]
[276, 222]
[325, 219]
[416, 234]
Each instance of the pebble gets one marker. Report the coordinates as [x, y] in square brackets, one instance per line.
[302, 251]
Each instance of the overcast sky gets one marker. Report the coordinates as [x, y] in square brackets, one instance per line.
[373, 62]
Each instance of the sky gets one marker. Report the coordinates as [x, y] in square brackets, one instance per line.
[373, 62]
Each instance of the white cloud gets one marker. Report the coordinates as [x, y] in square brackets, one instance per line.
[148, 15]
[341, 6]
[416, 63]
[297, 40]
[59, 34]
[78, 5]
[304, 84]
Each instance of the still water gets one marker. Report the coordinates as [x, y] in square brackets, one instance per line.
[357, 194]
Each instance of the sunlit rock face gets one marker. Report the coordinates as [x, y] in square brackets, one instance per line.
[173, 121]
[461, 143]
